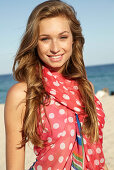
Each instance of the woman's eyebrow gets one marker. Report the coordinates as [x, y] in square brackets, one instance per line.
[49, 35]
[63, 32]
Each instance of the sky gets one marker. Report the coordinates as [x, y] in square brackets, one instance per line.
[96, 18]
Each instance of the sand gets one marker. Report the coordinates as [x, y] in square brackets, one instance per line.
[108, 144]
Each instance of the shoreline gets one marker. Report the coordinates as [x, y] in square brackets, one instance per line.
[108, 137]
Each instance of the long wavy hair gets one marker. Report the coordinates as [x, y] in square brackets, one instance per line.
[27, 60]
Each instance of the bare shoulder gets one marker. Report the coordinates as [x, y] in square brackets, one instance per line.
[17, 92]
[14, 112]
[15, 102]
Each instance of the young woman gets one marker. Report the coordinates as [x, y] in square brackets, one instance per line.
[53, 105]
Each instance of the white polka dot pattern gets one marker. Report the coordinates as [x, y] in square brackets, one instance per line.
[39, 167]
[49, 73]
[96, 162]
[65, 120]
[102, 160]
[61, 132]
[57, 104]
[98, 150]
[52, 102]
[72, 132]
[53, 92]
[49, 168]
[51, 157]
[51, 115]
[88, 158]
[62, 111]
[56, 126]
[53, 145]
[72, 92]
[62, 146]
[56, 83]
[76, 109]
[90, 152]
[45, 79]
[65, 96]
[67, 158]
[70, 146]
[64, 103]
[75, 87]
[78, 103]
[49, 140]
[70, 119]
[84, 141]
[42, 115]
[65, 88]
[59, 135]
[61, 159]
[100, 136]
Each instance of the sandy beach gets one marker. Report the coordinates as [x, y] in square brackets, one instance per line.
[108, 144]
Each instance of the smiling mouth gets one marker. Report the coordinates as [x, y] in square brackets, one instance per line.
[55, 56]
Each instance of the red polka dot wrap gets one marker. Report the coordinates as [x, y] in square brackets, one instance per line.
[61, 127]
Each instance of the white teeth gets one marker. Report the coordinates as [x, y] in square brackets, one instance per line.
[56, 56]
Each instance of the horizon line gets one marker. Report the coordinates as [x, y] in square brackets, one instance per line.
[85, 66]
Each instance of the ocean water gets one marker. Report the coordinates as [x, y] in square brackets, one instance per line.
[101, 76]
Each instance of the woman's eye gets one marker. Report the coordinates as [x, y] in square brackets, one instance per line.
[44, 39]
[64, 37]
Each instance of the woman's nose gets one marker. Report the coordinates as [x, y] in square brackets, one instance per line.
[54, 47]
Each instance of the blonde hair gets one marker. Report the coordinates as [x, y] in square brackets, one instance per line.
[28, 68]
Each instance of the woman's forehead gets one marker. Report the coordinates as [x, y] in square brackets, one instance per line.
[56, 24]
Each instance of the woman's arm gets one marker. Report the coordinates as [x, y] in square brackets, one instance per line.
[14, 114]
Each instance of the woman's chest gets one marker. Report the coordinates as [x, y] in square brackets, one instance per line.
[57, 121]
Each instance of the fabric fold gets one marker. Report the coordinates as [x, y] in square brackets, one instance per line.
[65, 146]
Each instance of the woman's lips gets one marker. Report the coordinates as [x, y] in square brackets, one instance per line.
[55, 57]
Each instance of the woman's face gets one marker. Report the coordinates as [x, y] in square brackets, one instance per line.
[54, 42]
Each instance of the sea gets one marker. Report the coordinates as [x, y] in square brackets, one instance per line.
[102, 76]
